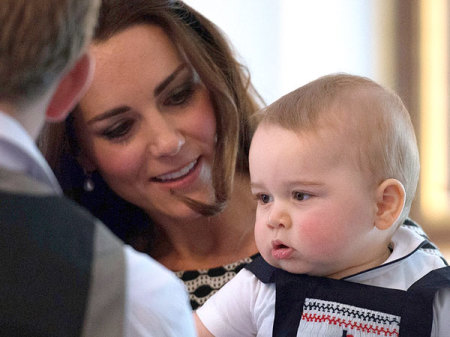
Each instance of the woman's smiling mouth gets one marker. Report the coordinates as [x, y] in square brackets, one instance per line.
[177, 174]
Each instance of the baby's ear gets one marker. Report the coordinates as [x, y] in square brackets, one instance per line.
[390, 197]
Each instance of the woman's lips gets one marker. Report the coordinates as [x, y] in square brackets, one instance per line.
[184, 171]
[280, 251]
[181, 179]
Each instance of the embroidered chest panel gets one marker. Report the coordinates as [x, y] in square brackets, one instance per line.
[333, 319]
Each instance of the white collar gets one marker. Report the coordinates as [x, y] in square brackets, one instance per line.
[404, 243]
[19, 153]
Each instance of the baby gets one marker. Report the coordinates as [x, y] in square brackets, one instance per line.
[334, 166]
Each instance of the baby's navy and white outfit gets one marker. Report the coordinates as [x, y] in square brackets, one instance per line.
[408, 295]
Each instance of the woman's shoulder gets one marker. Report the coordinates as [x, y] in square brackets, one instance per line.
[203, 283]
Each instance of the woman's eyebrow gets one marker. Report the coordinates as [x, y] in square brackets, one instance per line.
[121, 109]
[169, 79]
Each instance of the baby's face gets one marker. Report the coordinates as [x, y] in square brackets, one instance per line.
[316, 210]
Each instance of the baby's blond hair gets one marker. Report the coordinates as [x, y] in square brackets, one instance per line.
[371, 117]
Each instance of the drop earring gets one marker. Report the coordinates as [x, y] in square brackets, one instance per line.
[88, 185]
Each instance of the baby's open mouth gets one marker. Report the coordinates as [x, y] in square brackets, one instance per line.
[277, 244]
[280, 250]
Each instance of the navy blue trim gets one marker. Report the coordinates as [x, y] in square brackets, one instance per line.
[262, 270]
[422, 293]
[420, 246]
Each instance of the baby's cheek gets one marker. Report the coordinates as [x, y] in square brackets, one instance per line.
[318, 237]
[261, 235]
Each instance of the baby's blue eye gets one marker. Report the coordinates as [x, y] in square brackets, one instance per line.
[263, 198]
[300, 196]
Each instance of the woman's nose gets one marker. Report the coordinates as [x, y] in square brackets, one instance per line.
[165, 139]
[167, 146]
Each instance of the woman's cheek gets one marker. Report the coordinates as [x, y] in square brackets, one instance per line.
[119, 163]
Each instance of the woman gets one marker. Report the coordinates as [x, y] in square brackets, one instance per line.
[157, 148]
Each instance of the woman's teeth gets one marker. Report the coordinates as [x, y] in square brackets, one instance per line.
[175, 175]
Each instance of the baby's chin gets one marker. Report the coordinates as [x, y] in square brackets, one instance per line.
[294, 266]
[288, 266]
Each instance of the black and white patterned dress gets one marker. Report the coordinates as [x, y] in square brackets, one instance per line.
[203, 283]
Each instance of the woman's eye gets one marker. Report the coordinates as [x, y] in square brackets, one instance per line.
[118, 130]
[263, 198]
[180, 96]
[300, 196]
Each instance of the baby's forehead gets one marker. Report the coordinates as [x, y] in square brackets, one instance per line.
[326, 136]
[318, 150]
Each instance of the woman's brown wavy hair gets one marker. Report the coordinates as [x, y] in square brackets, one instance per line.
[209, 53]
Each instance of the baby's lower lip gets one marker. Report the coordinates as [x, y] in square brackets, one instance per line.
[282, 253]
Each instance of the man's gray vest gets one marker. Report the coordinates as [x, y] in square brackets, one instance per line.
[61, 272]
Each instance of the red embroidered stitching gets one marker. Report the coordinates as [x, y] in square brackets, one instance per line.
[353, 325]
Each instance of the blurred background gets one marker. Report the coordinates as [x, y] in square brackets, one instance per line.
[402, 44]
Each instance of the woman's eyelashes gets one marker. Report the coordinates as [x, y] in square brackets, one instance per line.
[180, 95]
[118, 130]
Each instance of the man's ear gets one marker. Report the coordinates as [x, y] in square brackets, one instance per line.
[390, 196]
[70, 89]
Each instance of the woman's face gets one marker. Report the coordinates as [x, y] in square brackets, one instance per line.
[147, 123]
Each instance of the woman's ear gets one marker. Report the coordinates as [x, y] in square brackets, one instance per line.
[390, 197]
[70, 88]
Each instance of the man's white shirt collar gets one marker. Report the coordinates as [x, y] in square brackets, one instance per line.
[19, 153]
